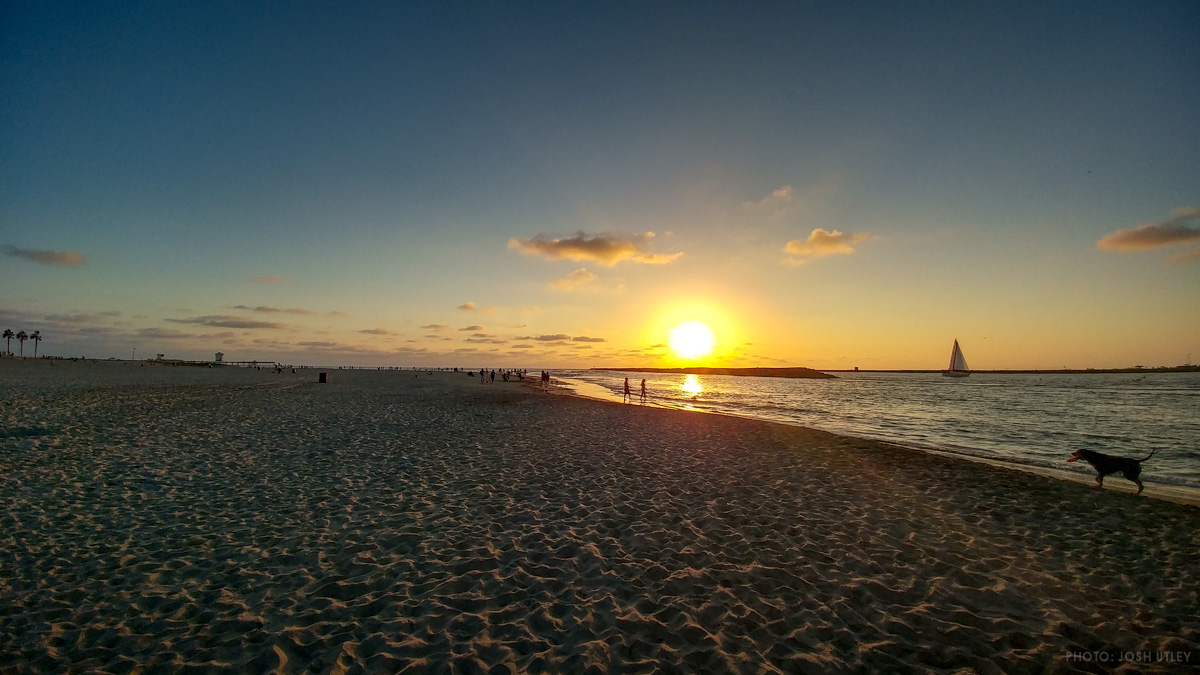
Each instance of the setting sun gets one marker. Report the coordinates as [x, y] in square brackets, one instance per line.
[692, 340]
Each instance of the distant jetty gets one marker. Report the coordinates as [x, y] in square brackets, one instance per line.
[798, 373]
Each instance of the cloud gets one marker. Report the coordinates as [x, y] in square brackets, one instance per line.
[338, 312]
[470, 329]
[1171, 232]
[59, 258]
[557, 337]
[604, 249]
[435, 326]
[780, 197]
[377, 331]
[273, 310]
[1180, 258]
[164, 333]
[74, 318]
[269, 280]
[584, 338]
[480, 338]
[221, 321]
[821, 243]
[467, 307]
[576, 278]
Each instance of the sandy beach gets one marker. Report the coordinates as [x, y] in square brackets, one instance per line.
[213, 520]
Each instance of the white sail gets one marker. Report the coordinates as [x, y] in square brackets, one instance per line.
[958, 364]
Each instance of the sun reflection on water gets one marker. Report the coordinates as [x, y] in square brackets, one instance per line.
[691, 386]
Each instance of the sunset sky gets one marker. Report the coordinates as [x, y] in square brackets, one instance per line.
[559, 185]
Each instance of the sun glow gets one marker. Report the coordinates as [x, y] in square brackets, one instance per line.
[692, 340]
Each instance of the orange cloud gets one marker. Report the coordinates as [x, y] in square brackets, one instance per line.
[224, 321]
[574, 279]
[1157, 235]
[273, 310]
[604, 249]
[780, 197]
[59, 258]
[822, 243]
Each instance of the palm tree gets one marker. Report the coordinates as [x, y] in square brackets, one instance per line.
[8, 336]
[36, 336]
[22, 337]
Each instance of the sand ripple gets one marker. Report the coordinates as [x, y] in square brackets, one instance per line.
[384, 523]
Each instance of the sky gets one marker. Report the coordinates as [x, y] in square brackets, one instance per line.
[560, 185]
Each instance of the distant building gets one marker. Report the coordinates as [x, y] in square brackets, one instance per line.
[220, 357]
[159, 357]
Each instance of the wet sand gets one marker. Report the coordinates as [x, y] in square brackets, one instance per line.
[194, 519]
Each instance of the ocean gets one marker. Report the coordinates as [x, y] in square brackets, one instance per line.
[1028, 419]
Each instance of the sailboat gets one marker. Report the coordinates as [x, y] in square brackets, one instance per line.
[958, 364]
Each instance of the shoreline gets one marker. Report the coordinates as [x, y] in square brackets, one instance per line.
[1172, 493]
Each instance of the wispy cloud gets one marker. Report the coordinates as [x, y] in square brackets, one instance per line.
[574, 279]
[822, 243]
[47, 257]
[604, 249]
[470, 329]
[780, 197]
[1172, 232]
[435, 326]
[338, 312]
[377, 331]
[557, 337]
[222, 321]
[584, 338]
[481, 338]
[164, 333]
[273, 310]
[269, 280]
[74, 318]
[467, 307]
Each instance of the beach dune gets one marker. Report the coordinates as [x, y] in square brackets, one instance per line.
[386, 522]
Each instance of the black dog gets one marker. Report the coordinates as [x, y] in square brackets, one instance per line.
[1105, 464]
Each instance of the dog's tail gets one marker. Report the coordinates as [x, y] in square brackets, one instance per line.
[1148, 456]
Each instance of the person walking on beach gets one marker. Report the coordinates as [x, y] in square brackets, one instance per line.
[626, 396]
[643, 390]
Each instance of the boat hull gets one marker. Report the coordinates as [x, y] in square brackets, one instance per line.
[956, 373]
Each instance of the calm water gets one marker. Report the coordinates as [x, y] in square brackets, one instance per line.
[1024, 419]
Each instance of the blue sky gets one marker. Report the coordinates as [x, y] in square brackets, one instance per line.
[382, 165]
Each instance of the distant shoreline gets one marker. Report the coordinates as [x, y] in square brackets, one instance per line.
[795, 373]
[813, 373]
[1034, 371]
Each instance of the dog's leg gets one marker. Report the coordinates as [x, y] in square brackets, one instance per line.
[1140, 486]
[1099, 481]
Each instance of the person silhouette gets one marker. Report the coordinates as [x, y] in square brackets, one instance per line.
[626, 396]
[643, 390]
